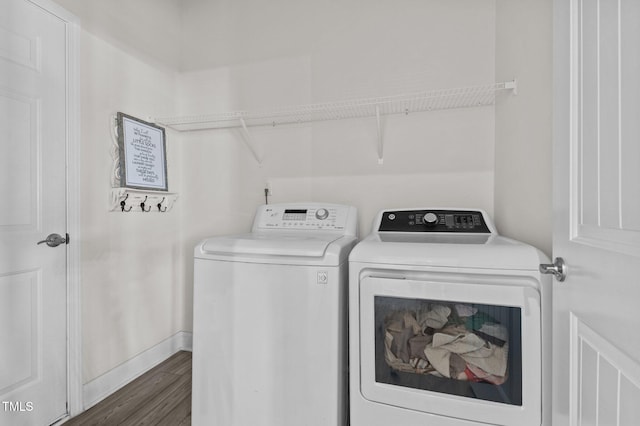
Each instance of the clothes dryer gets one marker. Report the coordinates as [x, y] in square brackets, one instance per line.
[449, 324]
[270, 320]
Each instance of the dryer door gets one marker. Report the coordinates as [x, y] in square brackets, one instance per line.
[464, 346]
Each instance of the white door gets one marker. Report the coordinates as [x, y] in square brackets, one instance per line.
[597, 212]
[33, 310]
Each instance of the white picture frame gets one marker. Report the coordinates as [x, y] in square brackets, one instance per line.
[143, 154]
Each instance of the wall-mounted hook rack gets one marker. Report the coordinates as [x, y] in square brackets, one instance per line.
[159, 205]
[121, 197]
[123, 204]
[142, 206]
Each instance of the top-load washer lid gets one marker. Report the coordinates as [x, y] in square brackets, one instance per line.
[292, 233]
[270, 244]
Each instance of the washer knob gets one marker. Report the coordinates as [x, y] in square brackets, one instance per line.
[430, 219]
[322, 214]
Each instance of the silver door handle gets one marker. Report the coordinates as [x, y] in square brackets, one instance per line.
[558, 269]
[54, 240]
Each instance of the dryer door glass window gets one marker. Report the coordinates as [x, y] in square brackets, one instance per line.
[464, 349]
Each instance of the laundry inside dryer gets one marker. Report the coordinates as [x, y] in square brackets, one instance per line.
[463, 349]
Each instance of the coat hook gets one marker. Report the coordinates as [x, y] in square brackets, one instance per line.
[123, 204]
[142, 205]
[160, 206]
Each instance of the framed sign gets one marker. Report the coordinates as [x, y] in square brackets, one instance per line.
[143, 154]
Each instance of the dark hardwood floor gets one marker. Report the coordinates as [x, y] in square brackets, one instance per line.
[161, 396]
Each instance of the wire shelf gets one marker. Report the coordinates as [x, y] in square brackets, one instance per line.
[433, 100]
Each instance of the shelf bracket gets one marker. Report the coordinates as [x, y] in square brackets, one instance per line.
[248, 140]
[380, 139]
[512, 85]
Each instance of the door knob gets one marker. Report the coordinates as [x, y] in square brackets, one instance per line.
[558, 269]
[54, 240]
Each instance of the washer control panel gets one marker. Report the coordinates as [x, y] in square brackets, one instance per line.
[303, 218]
[452, 221]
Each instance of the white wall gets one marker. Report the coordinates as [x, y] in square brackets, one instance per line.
[149, 29]
[131, 297]
[523, 171]
[443, 158]
[137, 269]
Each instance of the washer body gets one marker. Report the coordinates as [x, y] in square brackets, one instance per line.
[270, 320]
[449, 324]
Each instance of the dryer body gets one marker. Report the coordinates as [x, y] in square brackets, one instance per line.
[447, 328]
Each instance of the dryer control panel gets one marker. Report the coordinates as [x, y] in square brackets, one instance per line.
[445, 221]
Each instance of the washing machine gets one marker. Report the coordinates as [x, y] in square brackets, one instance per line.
[270, 320]
[449, 323]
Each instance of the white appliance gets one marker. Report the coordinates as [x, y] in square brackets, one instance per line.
[449, 324]
[270, 320]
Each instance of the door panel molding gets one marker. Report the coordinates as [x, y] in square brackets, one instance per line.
[606, 380]
[25, 286]
[603, 202]
[20, 49]
[22, 208]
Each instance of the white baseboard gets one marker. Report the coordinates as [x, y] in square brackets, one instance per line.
[104, 385]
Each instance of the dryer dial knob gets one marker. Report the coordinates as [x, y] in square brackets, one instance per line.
[322, 214]
[430, 219]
